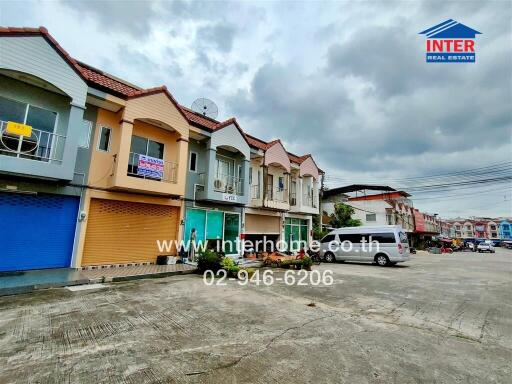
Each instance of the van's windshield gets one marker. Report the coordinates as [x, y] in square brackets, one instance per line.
[403, 238]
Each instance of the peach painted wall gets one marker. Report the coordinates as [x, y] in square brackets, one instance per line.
[102, 163]
[107, 173]
[157, 107]
[309, 168]
[276, 154]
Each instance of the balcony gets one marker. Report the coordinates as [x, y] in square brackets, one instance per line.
[228, 184]
[163, 171]
[255, 192]
[277, 198]
[308, 200]
[40, 146]
[221, 188]
[293, 199]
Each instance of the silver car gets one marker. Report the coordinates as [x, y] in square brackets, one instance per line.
[382, 245]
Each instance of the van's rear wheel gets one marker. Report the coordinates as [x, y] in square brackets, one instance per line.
[381, 260]
[329, 257]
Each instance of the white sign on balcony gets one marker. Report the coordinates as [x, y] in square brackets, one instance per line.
[229, 197]
[150, 167]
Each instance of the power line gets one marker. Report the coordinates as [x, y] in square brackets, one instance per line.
[495, 166]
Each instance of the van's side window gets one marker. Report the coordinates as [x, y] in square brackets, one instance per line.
[354, 238]
[382, 238]
[327, 239]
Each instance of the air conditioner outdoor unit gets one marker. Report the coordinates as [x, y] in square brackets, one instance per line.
[218, 184]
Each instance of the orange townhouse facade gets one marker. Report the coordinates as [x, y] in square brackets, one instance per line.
[137, 174]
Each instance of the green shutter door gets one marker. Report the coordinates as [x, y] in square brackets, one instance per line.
[214, 225]
[195, 219]
[231, 227]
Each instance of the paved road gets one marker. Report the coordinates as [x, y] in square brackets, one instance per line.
[439, 318]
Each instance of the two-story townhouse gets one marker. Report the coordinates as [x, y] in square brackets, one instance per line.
[468, 230]
[137, 176]
[493, 230]
[456, 228]
[284, 195]
[217, 182]
[304, 197]
[505, 230]
[44, 150]
[480, 229]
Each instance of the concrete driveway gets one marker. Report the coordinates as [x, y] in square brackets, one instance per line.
[439, 318]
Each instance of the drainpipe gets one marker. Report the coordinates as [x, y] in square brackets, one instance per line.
[320, 200]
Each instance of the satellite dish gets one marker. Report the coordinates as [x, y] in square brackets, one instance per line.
[205, 107]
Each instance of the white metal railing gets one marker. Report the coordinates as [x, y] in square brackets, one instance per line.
[293, 198]
[169, 174]
[228, 184]
[40, 146]
[309, 200]
[255, 192]
[279, 195]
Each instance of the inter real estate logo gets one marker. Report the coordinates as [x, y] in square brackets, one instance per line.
[450, 42]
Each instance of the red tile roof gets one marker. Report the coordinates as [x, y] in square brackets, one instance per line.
[107, 81]
[123, 88]
[199, 120]
[256, 143]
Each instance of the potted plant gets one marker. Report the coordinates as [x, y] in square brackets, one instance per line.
[307, 262]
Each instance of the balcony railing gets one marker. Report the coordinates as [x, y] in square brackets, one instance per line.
[40, 146]
[293, 198]
[308, 200]
[228, 184]
[255, 192]
[279, 195]
[167, 174]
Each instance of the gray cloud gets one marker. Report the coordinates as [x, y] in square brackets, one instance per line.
[219, 37]
[346, 81]
[131, 17]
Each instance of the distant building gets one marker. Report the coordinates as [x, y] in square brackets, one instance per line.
[383, 205]
[480, 228]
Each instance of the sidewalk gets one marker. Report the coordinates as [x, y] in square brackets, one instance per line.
[14, 283]
[138, 272]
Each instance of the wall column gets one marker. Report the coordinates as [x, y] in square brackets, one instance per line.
[181, 172]
[123, 152]
[76, 116]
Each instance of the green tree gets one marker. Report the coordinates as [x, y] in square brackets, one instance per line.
[342, 216]
[318, 231]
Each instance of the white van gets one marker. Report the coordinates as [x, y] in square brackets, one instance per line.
[383, 245]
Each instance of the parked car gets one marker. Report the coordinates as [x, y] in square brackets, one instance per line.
[485, 246]
[389, 245]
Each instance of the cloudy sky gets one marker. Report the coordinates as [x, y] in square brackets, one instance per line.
[346, 81]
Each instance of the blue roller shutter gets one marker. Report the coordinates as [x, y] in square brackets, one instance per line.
[36, 231]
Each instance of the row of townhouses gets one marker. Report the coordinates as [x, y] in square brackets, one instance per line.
[95, 170]
[480, 228]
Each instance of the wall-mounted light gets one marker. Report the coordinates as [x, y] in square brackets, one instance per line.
[81, 216]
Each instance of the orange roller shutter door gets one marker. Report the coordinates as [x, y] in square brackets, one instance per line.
[262, 224]
[121, 232]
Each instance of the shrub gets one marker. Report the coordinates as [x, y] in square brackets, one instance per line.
[208, 260]
[250, 272]
[228, 263]
[307, 262]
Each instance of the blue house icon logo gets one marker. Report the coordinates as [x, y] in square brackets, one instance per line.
[450, 42]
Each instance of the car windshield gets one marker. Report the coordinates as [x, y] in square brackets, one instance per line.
[403, 238]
